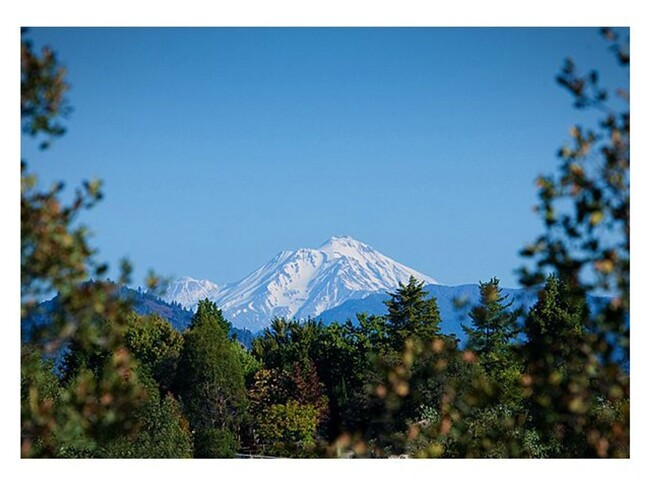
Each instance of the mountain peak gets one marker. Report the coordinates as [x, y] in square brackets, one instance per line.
[341, 240]
[302, 283]
[187, 291]
[344, 245]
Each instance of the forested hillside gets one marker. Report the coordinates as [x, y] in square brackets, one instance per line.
[141, 302]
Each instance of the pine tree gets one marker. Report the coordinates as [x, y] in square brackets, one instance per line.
[493, 327]
[555, 327]
[411, 314]
[556, 370]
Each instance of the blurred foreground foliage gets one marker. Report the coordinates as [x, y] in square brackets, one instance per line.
[94, 397]
[91, 407]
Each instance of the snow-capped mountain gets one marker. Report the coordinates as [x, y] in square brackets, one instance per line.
[303, 283]
[187, 291]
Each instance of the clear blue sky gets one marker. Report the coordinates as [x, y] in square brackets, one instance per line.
[221, 147]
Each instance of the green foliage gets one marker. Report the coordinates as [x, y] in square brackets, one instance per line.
[342, 356]
[558, 369]
[412, 367]
[296, 391]
[40, 393]
[157, 346]
[555, 327]
[286, 342]
[209, 315]
[586, 242]
[210, 378]
[42, 92]
[215, 443]
[94, 406]
[93, 409]
[249, 363]
[492, 338]
[493, 327]
[414, 386]
[586, 205]
[288, 429]
[411, 314]
[163, 431]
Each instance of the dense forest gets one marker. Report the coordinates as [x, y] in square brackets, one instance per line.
[99, 380]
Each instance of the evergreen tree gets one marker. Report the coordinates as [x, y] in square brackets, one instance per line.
[411, 314]
[411, 372]
[210, 377]
[342, 358]
[493, 327]
[555, 327]
[557, 365]
[286, 342]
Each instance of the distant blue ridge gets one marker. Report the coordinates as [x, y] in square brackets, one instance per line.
[144, 303]
[448, 299]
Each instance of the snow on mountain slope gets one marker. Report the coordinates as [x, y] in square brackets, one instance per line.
[188, 291]
[306, 282]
